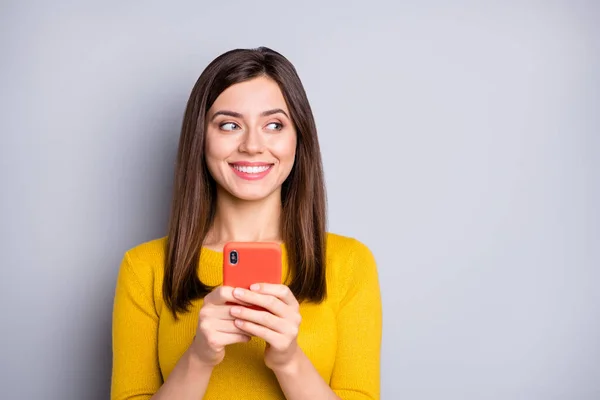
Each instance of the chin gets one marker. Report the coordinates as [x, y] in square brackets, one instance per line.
[251, 195]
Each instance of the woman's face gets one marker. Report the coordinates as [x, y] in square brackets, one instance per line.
[250, 140]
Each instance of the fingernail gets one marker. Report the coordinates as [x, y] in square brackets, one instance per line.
[254, 286]
[238, 292]
[235, 310]
[239, 322]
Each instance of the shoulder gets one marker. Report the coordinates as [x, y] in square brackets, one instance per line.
[145, 262]
[349, 262]
[151, 251]
[346, 247]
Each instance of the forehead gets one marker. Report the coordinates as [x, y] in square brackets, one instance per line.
[251, 97]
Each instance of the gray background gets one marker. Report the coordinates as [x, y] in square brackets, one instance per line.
[460, 142]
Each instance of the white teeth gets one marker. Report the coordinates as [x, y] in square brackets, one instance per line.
[252, 170]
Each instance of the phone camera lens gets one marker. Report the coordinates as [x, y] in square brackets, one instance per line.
[233, 257]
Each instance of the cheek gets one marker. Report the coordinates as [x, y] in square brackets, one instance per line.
[285, 149]
[216, 148]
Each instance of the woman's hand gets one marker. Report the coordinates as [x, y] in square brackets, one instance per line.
[216, 328]
[278, 325]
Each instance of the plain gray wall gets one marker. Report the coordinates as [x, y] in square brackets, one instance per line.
[461, 143]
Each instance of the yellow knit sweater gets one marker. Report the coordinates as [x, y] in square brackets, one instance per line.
[341, 336]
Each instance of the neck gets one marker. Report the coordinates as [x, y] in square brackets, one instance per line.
[245, 221]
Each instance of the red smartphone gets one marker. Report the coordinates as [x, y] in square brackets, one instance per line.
[246, 263]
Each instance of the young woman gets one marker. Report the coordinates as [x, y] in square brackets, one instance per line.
[248, 169]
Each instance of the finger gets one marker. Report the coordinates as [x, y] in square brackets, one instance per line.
[221, 296]
[260, 331]
[227, 327]
[210, 325]
[282, 292]
[268, 302]
[231, 338]
[263, 318]
[217, 312]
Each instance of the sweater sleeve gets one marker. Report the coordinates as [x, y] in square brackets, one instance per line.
[356, 372]
[135, 373]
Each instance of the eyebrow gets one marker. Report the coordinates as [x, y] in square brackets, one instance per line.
[238, 115]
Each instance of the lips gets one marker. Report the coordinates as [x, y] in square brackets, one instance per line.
[251, 171]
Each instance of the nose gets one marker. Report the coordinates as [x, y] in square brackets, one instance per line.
[252, 142]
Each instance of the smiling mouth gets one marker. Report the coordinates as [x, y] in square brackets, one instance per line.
[251, 169]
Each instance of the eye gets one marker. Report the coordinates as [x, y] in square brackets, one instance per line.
[229, 126]
[275, 126]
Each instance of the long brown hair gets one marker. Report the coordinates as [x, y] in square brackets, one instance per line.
[303, 223]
